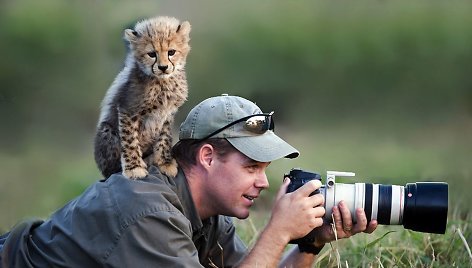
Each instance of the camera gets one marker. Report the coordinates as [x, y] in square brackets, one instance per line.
[419, 206]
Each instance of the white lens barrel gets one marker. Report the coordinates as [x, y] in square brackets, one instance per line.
[340, 191]
[397, 204]
[375, 202]
[390, 204]
[384, 203]
[359, 199]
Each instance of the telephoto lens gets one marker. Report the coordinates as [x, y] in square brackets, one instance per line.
[419, 206]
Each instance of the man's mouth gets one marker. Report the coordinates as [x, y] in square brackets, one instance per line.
[250, 198]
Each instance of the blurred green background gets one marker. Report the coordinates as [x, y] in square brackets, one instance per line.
[380, 88]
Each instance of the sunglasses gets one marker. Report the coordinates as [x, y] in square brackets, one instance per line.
[255, 123]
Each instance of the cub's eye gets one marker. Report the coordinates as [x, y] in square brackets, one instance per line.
[171, 52]
[152, 54]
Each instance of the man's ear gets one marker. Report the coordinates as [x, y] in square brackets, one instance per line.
[206, 155]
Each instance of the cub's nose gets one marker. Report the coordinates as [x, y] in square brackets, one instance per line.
[162, 67]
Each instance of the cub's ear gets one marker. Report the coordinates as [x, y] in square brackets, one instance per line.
[184, 29]
[131, 35]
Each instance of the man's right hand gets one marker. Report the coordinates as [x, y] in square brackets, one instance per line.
[295, 214]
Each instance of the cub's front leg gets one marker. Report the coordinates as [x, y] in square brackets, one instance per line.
[132, 162]
[162, 156]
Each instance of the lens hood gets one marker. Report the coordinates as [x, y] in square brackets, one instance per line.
[426, 205]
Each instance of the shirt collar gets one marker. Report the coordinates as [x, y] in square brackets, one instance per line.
[185, 196]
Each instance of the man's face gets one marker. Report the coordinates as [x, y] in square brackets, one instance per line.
[234, 183]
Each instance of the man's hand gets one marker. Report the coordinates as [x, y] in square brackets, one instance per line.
[295, 214]
[343, 225]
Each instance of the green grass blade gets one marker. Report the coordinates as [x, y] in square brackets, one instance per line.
[371, 244]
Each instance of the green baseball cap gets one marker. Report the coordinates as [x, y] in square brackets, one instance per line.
[239, 121]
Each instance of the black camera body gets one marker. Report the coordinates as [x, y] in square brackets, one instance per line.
[299, 177]
[419, 206]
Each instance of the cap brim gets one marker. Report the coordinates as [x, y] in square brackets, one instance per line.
[264, 148]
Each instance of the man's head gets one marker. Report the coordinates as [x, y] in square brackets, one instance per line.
[241, 123]
[226, 144]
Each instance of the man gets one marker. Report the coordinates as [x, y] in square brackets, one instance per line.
[225, 145]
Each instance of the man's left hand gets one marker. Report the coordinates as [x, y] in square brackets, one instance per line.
[343, 225]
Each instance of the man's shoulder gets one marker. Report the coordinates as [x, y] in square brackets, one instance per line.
[154, 192]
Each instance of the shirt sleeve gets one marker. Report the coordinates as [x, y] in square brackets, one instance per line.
[160, 239]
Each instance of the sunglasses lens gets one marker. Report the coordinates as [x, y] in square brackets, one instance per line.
[258, 124]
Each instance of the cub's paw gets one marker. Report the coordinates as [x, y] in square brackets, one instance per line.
[169, 168]
[135, 173]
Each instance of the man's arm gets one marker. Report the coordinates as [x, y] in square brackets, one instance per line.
[295, 215]
[268, 251]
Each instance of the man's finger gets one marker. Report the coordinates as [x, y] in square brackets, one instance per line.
[371, 227]
[361, 221]
[338, 222]
[346, 217]
[317, 199]
[309, 187]
[283, 188]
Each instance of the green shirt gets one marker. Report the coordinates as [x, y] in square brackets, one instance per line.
[120, 222]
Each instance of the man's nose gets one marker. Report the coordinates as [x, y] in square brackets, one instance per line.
[262, 181]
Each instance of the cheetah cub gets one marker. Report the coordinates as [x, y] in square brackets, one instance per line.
[139, 107]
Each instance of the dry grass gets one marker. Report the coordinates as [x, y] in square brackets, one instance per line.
[390, 246]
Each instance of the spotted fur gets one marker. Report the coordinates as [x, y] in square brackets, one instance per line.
[138, 109]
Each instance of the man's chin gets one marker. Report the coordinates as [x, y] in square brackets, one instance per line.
[243, 216]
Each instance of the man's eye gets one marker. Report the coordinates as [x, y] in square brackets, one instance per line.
[253, 168]
[171, 52]
[152, 54]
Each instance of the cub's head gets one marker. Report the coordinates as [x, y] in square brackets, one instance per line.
[159, 45]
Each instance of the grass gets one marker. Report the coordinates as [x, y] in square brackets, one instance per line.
[390, 246]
